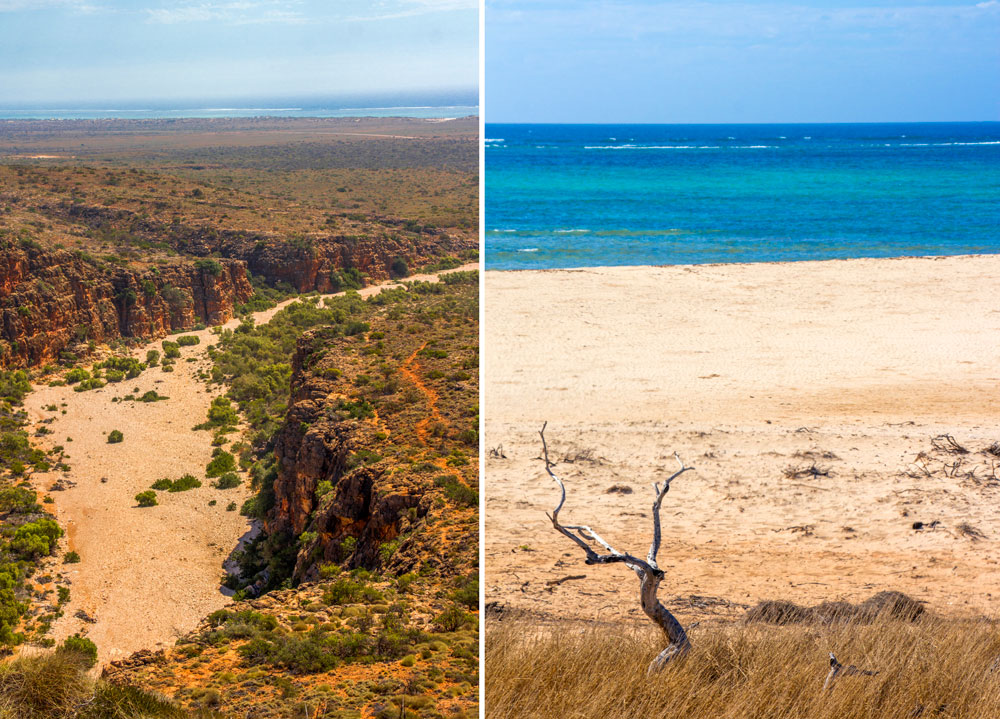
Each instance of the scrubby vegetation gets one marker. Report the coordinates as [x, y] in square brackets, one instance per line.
[188, 481]
[381, 358]
[56, 686]
[136, 217]
[300, 645]
[931, 667]
[146, 499]
[115, 436]
[27, 532]
[222, 463]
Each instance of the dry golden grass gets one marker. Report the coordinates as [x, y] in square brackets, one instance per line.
[930, 668]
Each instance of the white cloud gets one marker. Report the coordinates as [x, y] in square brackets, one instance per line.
[764, 21]
[412, 8]
[240, 12]
[29, 5]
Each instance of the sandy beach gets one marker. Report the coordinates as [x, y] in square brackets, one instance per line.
[806, 395]
[146, 576]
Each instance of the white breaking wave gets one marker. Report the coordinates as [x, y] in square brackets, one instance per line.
[529, 249]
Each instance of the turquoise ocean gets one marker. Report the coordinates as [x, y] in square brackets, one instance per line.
[588, 195]
[418, 105]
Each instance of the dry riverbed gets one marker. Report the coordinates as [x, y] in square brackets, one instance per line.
[146, 575]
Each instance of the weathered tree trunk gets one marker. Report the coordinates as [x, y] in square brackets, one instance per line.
[648, 572]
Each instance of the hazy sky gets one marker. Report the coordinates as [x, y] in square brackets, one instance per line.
[740, 61]
[73, 50]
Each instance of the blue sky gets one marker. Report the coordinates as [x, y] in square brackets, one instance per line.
[54, 51]
[739, 61]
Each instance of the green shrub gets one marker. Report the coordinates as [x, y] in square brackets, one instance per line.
[152, 358]
[350, 591]
[17, 500]
[453, 618]
[210, 266]
[398, 268]
[76, 374]
[221, 413]
[228, 481]
[162, 484]
[152, 396]
[36, 539]
[468, 593]
[146, 499]
[71, 558]
[348, 278]
[188, 340]
[221, 463]
[120, 368]
[171, 350]
[82, 646]
[456, 491]
[188, 481]
[115, 436]
[88, 384]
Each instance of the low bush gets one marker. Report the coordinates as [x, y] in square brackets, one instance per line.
[456, 491]
[146, 499]
[171, 350]
[221, 413]
[36, 539]
[188, 340]
[76, 374]
[89, 384]
[228, 481]
[82, 646]
[188, 481]
[222, 463]
[115, 436]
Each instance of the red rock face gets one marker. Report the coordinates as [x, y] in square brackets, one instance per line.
[54, 300]
[305, 263]
[366, 504]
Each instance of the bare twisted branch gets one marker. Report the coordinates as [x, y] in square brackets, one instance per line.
[648, 572]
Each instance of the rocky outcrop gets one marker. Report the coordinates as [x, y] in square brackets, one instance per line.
[52, 301]
[367, 505]
[306, 263]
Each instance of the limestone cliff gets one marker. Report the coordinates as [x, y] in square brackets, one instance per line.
[55, 300]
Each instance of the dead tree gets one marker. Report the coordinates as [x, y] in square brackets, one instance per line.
[650, 575]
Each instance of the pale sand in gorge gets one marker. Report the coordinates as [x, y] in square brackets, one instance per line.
[149, 575]
[747, 371]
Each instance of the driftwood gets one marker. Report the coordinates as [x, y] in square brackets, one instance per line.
[649, 574]
[839, 670]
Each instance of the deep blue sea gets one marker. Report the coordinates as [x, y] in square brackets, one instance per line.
[427, 105]
[589, 195]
